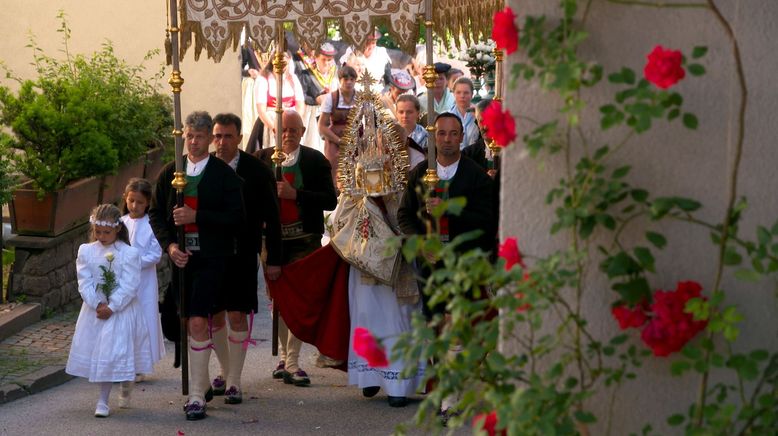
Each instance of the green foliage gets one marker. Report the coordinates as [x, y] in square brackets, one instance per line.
[556, 362]
[82, 116]
[7, 176]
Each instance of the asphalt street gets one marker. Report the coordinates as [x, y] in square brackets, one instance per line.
[327, 407]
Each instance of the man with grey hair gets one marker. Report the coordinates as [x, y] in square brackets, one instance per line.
[304, 193]
[212, 211]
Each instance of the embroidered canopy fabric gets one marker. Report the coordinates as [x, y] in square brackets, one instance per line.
[214, 25]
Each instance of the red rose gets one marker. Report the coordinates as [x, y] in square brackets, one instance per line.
[367, 347]
[664, 67]
[487, 423]
[627, 318]
[670, 327]
[504, 31]
[500, 125]
[509, 250]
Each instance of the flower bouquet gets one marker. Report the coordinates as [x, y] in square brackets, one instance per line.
[479, 58]
[109, 277]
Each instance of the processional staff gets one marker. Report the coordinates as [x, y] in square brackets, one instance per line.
[498, 73]
[179, 183]
[279, 63]
[430, 77]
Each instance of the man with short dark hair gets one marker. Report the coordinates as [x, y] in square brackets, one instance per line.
[305, 192]
[478, 151]
[211, 215]
[261, 210]
[459, 177]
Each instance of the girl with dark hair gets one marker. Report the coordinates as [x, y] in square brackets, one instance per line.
[137, 199]
[111, 341]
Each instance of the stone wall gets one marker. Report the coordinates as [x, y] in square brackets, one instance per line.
[44, 269]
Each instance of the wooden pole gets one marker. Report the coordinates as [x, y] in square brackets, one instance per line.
[279, 64]
[498, 79]
[179, 183]
[430, 77]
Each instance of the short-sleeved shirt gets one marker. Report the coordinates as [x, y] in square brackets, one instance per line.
[326, 104]
[266, 86]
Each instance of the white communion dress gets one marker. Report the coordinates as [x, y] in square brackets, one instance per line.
[142, 239]
[115, 349]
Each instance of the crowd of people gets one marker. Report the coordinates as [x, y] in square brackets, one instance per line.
[247, 218]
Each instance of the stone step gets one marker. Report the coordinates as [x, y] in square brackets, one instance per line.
[19, 317]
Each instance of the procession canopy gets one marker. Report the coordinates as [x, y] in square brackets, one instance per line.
[214, 25]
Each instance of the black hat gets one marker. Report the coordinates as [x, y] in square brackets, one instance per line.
[442, 68]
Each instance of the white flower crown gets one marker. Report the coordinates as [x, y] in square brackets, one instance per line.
[95, 222]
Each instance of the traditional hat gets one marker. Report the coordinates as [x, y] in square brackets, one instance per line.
[441, 67]
[401, 79]
[327, 49]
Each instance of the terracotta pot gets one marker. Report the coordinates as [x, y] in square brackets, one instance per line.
[114, 184]
[57, 212]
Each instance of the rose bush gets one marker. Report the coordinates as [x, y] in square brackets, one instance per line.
[543, 382]
[500, 124]
[664, 67]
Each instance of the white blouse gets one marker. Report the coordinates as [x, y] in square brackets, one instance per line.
[126, 265]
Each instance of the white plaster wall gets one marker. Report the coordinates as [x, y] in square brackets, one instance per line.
[667, 160]
[134, 27]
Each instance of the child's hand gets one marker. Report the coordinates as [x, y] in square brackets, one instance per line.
[103, 311]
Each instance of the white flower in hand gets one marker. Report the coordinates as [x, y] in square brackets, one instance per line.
[109, 257]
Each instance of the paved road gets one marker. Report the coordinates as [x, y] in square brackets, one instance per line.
[327, 407]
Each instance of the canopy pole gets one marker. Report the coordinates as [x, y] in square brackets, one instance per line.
[179, 183]
[498, 79]
[430, 77]
[279, 63]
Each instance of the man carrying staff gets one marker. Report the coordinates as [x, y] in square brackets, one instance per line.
[261, 208]
[212, 215]
[305, 192]
[459, 177]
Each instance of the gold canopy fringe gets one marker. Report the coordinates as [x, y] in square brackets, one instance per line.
[463, 21]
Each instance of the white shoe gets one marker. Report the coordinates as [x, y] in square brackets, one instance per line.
[102, 410]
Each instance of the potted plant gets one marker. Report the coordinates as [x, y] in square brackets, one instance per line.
[84, 124]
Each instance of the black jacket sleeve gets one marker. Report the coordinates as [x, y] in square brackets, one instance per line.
[161, 209]
[409, 215]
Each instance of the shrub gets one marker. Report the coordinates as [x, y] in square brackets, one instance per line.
[82, 116]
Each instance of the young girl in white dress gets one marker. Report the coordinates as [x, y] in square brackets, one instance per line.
[137, 199]
[111, 341]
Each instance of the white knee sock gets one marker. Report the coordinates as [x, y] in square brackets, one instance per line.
[105, 392]
[199, 355]
[237, 357]
[221, 348]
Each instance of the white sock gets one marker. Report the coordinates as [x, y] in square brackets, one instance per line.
[237, 357]
[199, 355]
[105, 392]
[221, 348]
